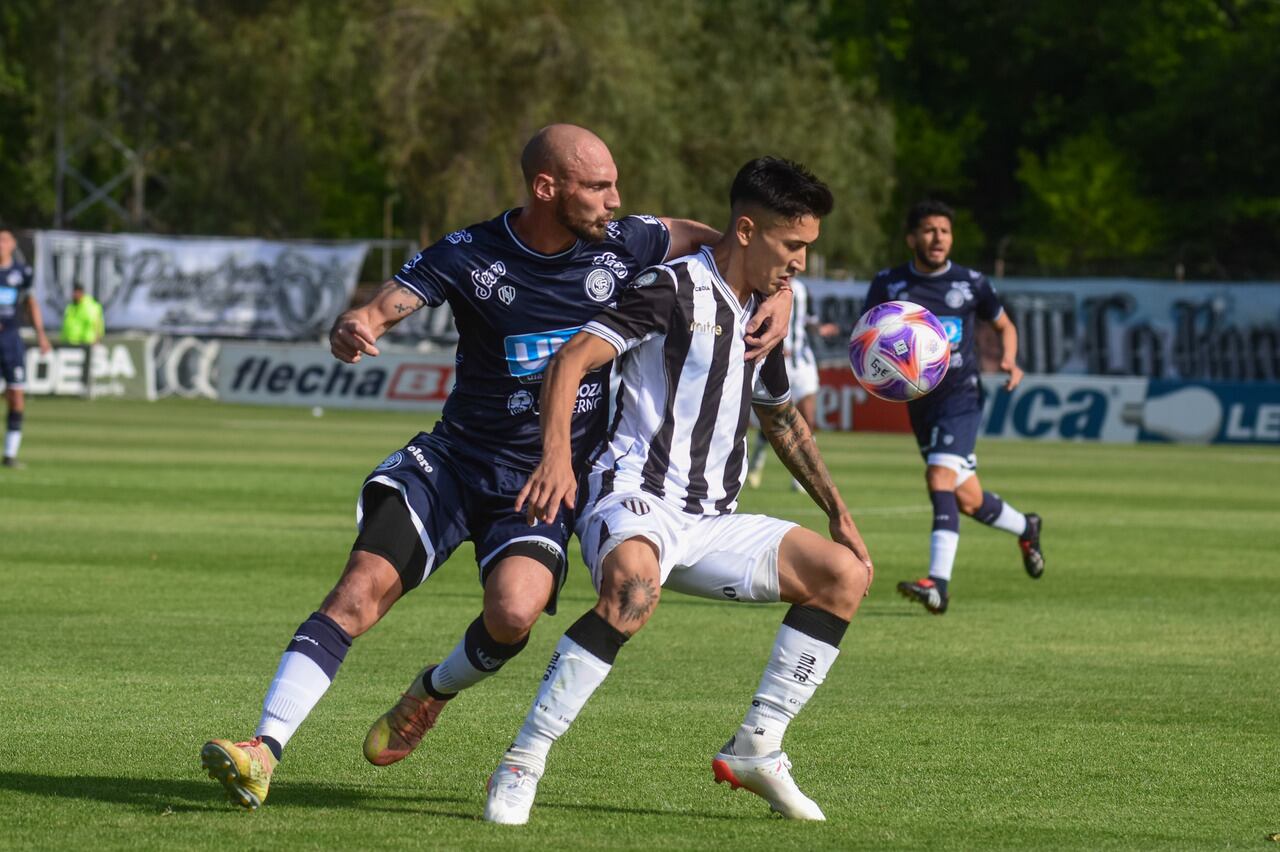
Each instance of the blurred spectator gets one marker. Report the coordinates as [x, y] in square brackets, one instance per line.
[82, 321]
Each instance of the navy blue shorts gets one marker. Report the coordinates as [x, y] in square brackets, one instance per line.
[453, 496]
[947, 431]
[13, 360]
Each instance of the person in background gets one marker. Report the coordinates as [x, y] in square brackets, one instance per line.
[82, 320]
[15, 291]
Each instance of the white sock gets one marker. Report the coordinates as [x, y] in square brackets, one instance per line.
[12, 440]
[797, 667]
[1011, 520]
[572, 676]
[455, 673]
[298, 685]
[942, 553]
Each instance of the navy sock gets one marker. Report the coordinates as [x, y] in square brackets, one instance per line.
[321, 639]
[990, 509]
[946, 512]
[15, 421]
[274, 744]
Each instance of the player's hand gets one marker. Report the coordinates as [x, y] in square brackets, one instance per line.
[350, 338]
[845, 531]
[1011, 367]
[550, 486]
[45, 346]
[769, 325]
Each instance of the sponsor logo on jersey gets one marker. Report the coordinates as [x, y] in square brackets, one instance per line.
[611, 260]
[484, 279]
[614, 230]
[636, 506]
[463, 236]
[954, 327]
[648, 220]
[519, 402]
[706, 328]
[528, 354]
[590, 395]
[390, 461]
[411, 263]
[599, 284]
[8, 296]
[507, 294]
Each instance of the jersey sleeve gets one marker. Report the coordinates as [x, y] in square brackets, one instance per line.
[986, 302]
[877, 293]
[643, 311]
[28, 279]
[646, 238]
[428, 273]
[772, 385]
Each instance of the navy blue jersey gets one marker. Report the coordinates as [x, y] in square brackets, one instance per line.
[514, 307]
[15, 288]
[955, 295]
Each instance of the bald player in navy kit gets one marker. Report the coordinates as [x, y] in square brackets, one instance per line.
[520, 285]
[946, 420]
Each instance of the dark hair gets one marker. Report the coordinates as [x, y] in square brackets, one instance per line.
[782, 187]
[922, 210]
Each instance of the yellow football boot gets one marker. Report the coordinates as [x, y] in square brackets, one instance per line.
[244, 769]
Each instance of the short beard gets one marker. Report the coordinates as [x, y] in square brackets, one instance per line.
[588, 232]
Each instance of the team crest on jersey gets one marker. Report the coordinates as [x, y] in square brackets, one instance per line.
[507, 294]
[15, 277]
[958, 295]
[646, 279]
[390, 462]
[600, 284]
[484, 279]
[636, 506]
[463, 236]
[519, 402]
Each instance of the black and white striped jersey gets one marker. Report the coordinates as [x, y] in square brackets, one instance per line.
[686, 390]
[799, 352]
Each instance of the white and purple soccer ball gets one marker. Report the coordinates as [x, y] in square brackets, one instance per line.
[899, 351]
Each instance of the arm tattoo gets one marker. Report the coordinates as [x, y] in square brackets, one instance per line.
[636, 599]
[795, 447]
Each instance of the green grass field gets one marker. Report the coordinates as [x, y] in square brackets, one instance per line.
[154, 559]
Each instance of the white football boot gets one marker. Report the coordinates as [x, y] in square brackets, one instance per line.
[769, 777]
[511, 792]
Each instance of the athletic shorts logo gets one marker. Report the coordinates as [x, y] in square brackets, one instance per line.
[636, 506]
[600, 284]
[390, 462]
[420, 458]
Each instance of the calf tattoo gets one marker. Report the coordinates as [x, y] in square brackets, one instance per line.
[636, 598]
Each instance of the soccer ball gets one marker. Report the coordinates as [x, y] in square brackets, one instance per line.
[899, 351]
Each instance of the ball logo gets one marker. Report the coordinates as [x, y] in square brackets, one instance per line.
[900, 347]
[390, 462]
[600, 284]
[484, 279]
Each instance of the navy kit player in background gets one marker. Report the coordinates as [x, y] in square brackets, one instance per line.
[946, 420]
[15, 293]
[665, 489]
[520, 285]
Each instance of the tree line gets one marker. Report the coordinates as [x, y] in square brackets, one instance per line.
[1082, 138]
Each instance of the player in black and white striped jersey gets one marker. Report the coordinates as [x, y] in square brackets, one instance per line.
[665, 488]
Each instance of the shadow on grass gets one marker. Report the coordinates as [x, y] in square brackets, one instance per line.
[168, 795]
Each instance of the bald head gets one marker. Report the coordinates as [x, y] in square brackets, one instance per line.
[558, 148]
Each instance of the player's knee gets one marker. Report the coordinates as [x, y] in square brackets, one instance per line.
[511, 621]
[939, 478]
[628, 599]
[967, 504]
[846, 581]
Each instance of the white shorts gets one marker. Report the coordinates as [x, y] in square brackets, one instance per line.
[803, 378]
[726, 557]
